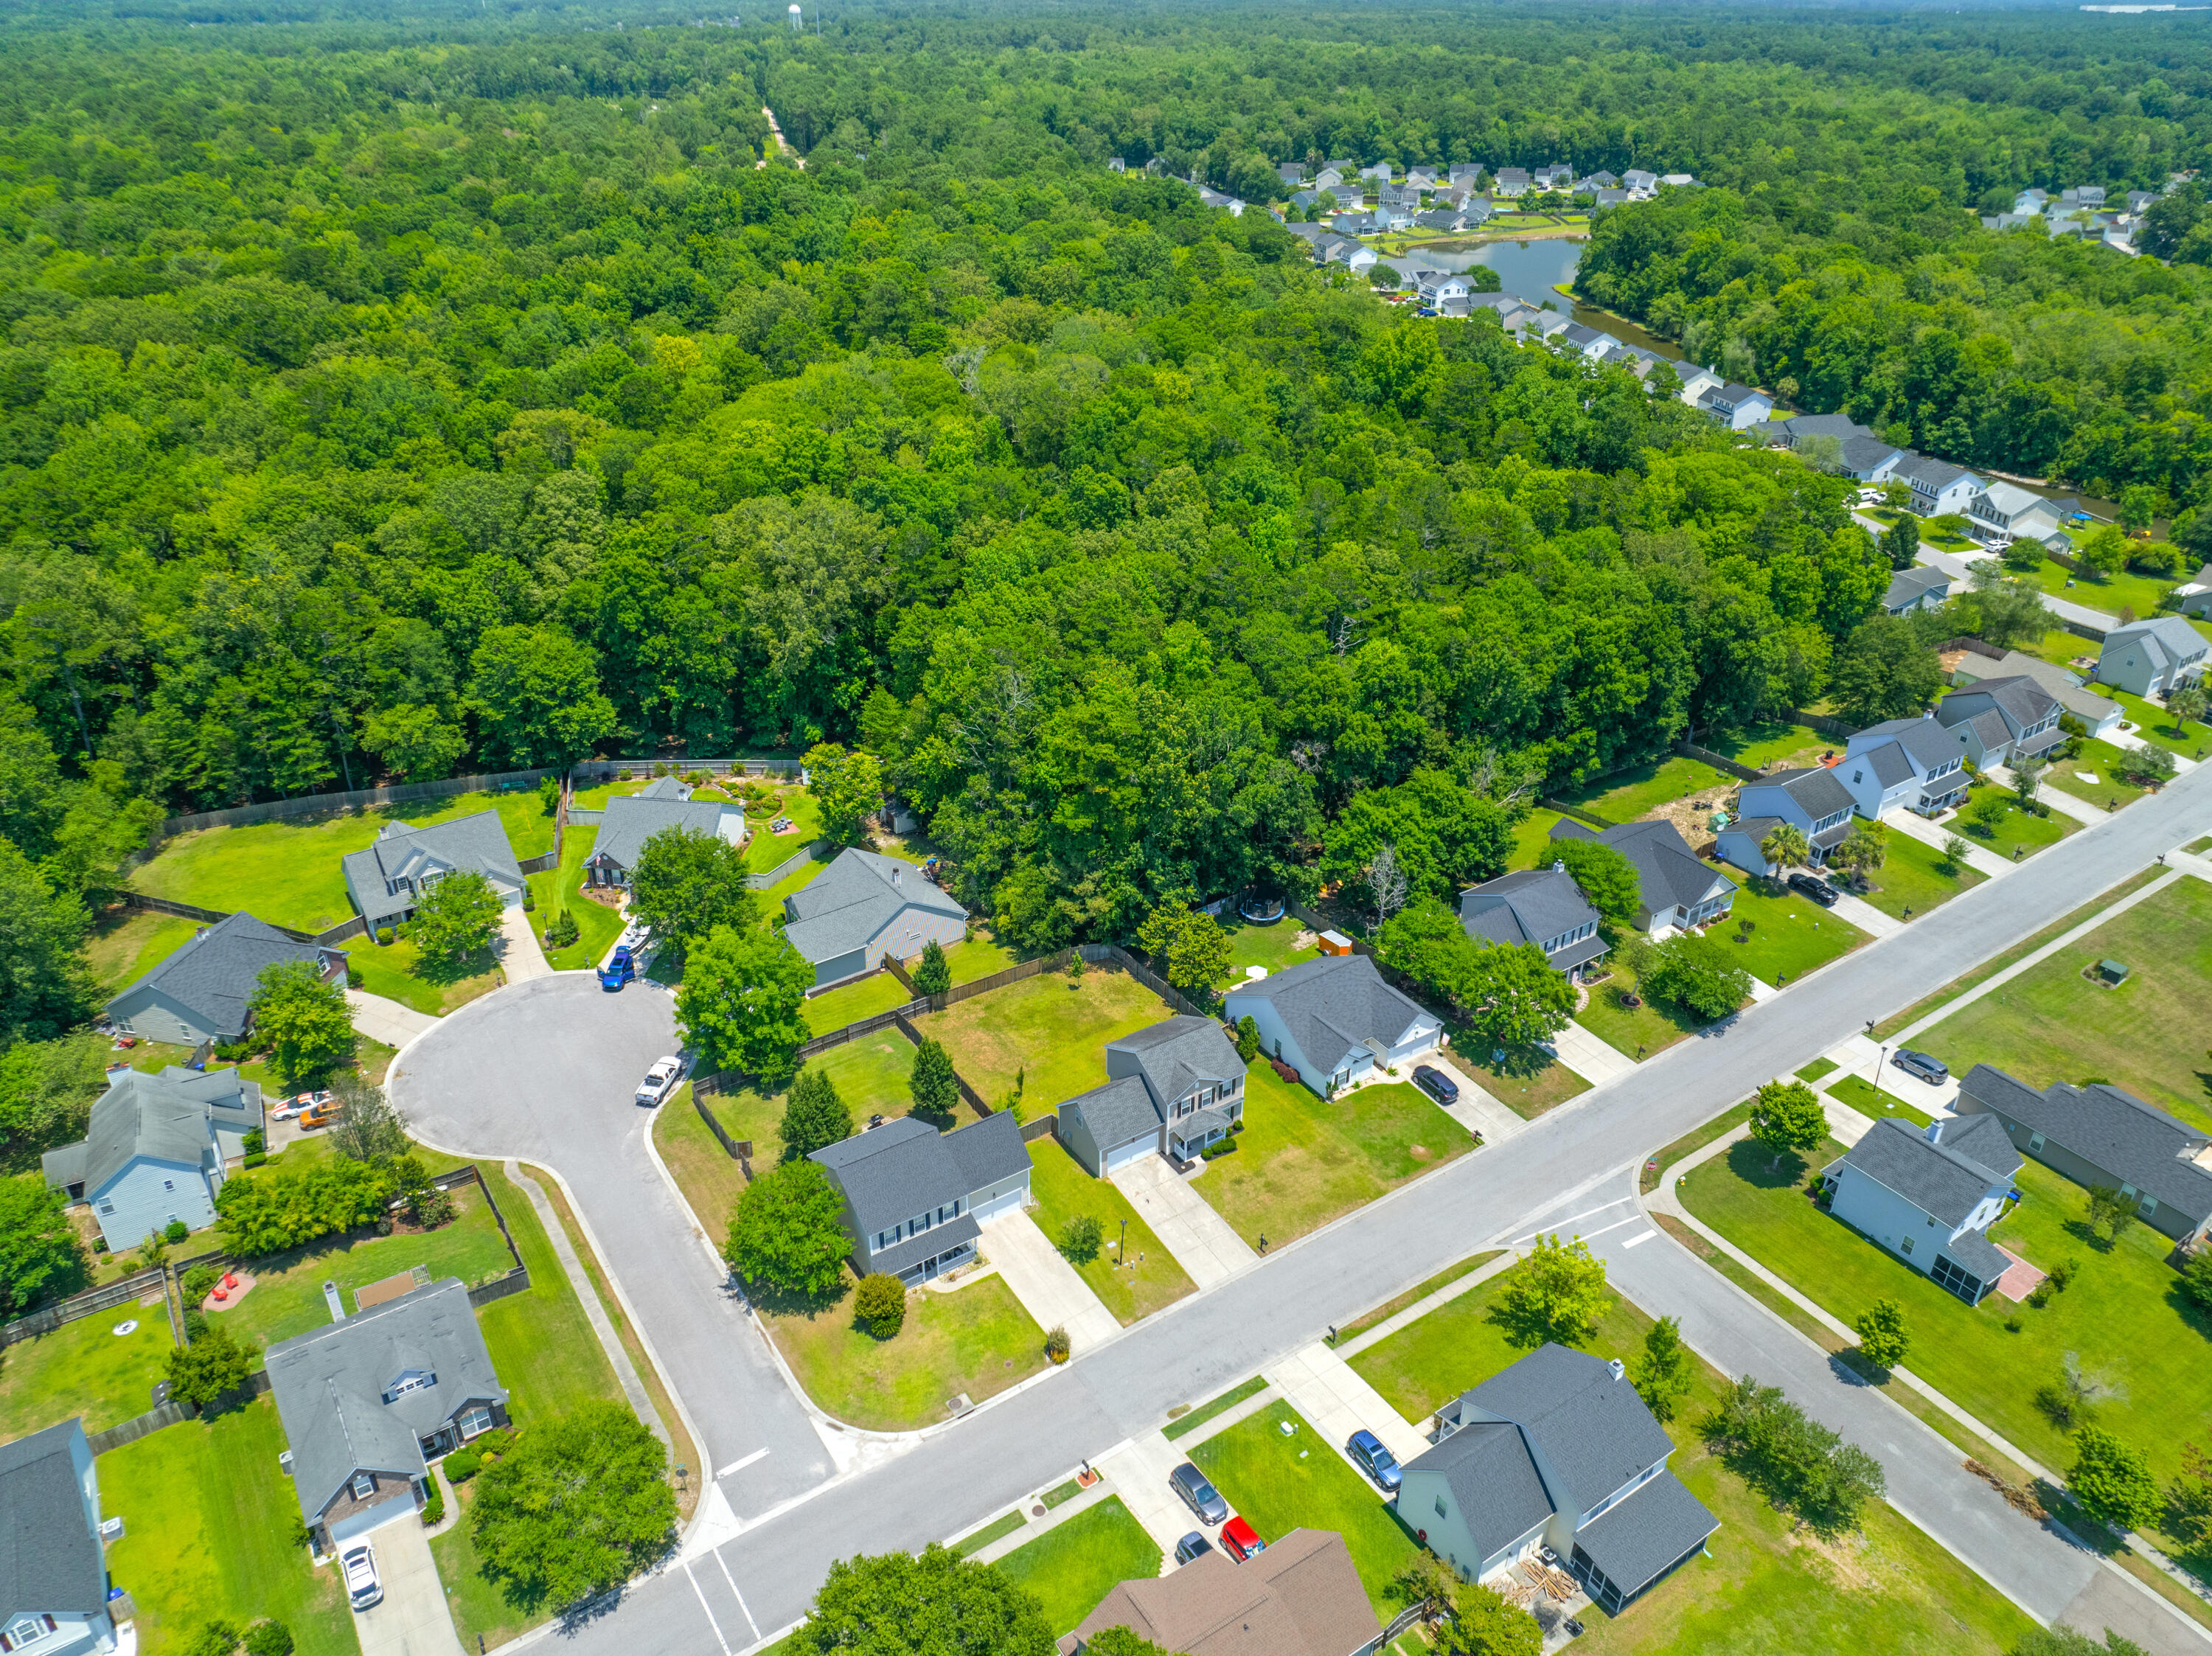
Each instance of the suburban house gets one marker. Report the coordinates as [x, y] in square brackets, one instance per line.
[1557, 176]
[1813, 801]
[630, 819]
[368, 1402]
[1334, 1021]
[1938, 487]
[156, 1148]
[1445, 291]
[1695, 382]
[1921, 587]
[2095, 712]
[2196, 592]
[1544, 907]
[2151, 657]
[914, 1196]
[200, 992]
[1869, 460]
[404, 861]
[1509, 181]
[1675, 889]
[2098, 1135]
[1998, 719]
[1639, 183]
[53, 1571]
[1903, 764]
[1299, 1596]
[2005, 511]
[864, 906]
[1290, 172]
[1929, 1197]
[1737, 407]
[1555, 1450]
[1793, 429]
[1175, 1088]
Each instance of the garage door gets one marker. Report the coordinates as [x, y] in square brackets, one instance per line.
[1124, 1155]
[1005, 1203]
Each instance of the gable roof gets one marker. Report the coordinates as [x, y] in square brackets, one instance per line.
[476, 843]
[850, 903]
[1867, 453]
[1933, 475]
[215, 975]
[988, 1150]
[2020, 698]
[1945, 1177]
[631, 819]
[1491, 1471]
[1531, 906]
[160, 1117]
[2110, 1128]
[661, 787]
[2171, 635]
[1332, 1005]
[49, 1559]
[1911, 585]
[1798, 427]
[1593, 1432]
[1815, 787]
[1114, 1113]
[1668, 871]
[1300, 1596]
[1924, 740]
[890, 1174]
[1177, 1054]
[2064, 687]
[1635, 1540]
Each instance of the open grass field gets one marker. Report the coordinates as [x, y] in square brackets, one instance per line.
[2148, 1035]
[1532, 838]
[976, 1339]
[84, 1367]
[1911, 880]
[1638, 1031]
[1270, 946]
[1051, 1029]
[124, 946]
[834, 1009]
[2154, 724]
[208, 1520]
[1775, 742]
[2110, 593]
[2123, 1314]
[1790, 934]
[2096, 758]
[556, 888]
[1628, 796]
[1302, 1160]
[1064, 1190]
[1073, 1565]
[1528, 1080]
[396, 971]
[287, 872]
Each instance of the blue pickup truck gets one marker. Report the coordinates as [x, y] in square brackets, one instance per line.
[619, 969]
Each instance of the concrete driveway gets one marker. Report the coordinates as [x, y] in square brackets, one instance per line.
[1337, 1402]
[1201, 1241]
[1588, 1056]
[1048, 1287]
[412, 1621]
[386, 1020]
[520, 955]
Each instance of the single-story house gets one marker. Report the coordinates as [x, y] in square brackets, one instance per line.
[1442, 219]
[1334, 1021]
[2005, 511]
[2097, 713]
[1298, 1596]
[913, 1196]
[1998, 719]
[2150, 657]
[200, 992]
[1908, 764]
[1938, 487]
[53, 1570]
[1738, 407]
[1543, 906]
[1674, 890]
[404, 860]
[1921, 587]
[1813, 800]
[2099, 1135]
[1464, 172]
[1792, 429]
[1930, 1197]
[369, 1401]
[2196, 592]
[1175, 1088]
[630, 819]
[1555, 1450]
[864, 906]
[157, 1148]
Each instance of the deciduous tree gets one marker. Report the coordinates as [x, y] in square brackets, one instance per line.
[2113, 1481]
[787, 1232]
[455, 919]
[575, 1507]
[847, 788]
[1191, 947]
[1608, 879]
[1883, 1336]
[1786, 1118]
[306, 1021]
[41, 1257]
[741, 1000]
[1556, 1293]
[686, 884]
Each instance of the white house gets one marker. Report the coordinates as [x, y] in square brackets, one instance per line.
[1997, 719]
[1812, 801]
[1929, 1197]
[157, 1148]
[914, 1197]
[1176, 1088]
[53, 1572]
[2005, 511]
[1903, 764]
[1738, 407]
[1938, 487]
[2151, 657]
[1334, 1021]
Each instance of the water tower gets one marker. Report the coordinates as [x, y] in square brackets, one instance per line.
[798, 21]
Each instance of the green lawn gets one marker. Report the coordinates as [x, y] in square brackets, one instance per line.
[2019, 835]
[596, 798]
[771, 900]
[1268, 946]
[2123, 1314]
[1892, 1100]
[396, 972]
[1532, 838]
[1186, 1423]
[1283, 1484]
[125, 946]
[1911, 882]
[1637, 1031]
[1004, 1525]
[2148, 1035]
[1071, 1566]
[977, 957]
[2156, 725]
[710, 1180]
[2096, 759]
[1626, 795]
[1063, 1191]
[287, 872]
[1052, 1029]
[1790, 934]
[1302, 1160]
[765, 850]
[208, 1520]
[83, 1367]
[556, 888]
[1528, 1080]
[834, 1009]
[977, 1340]
[2140, 593]
[1773, 743]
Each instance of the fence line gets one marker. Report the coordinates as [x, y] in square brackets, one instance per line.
[516, 1280]
[608, 770]
[549, 861]
[893, 965]
[1575, 811]
[1974, 645]
[1825, 725]
[2082, 629]
[588, 815]
[309, 804]
[138, 1426]
[90, 1303]
[790, 865]
[968, 1095]
[1719, 762]
[1045, 1126]
[140, 903]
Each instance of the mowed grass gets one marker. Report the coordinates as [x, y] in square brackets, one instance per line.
[2148, 1035]
[1532, 838]
[2125, 1314]
[1636, 1031]
[1626, 795]
[397, 971]
[2110, 593]
[540, 1340]
[125, 946]
[978, 956]
[1764, 746]
[1790, 934]
[2154, 724]
[83, 1367]
[287, 872]
[834, 1009]
[1073, 1565]
[1271, 946]
[710, 1180]
[977, 1340]
[1051, 1029]
[1064, 1190]
[766, 851]
[1303, 1159]
[1912, 880]
[556, 888]
[1528, 1080]
[208, 1520]
[2019, 835]
[2096, 759]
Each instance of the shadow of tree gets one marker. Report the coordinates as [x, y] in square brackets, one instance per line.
[782, 1302]
[443, 972]
[1765, 1168]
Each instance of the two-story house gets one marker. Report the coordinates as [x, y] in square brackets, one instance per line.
[1997, 720]
[1938, 487]
[2004, 512]
[1922, 586]
[53, 1574]
[1334, 1021]
[2196, 592]
[2098, 713]
[1869, 460]
[202, 993]
[2152, 657]
[1737, 407]
[1445, 291]
[157, 1148]
[1908, 764]
[1555, 1450]
[1543, 906]
[1675, 889]
[404, 861]
[1928, 1196]
[1176, 1088]
[1812, 800]
[916, 1198]
[1509, 181]
[865, 905]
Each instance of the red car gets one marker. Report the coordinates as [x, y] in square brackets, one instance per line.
[1240, 1540]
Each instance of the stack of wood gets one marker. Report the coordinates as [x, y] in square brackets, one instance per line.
[1556, 1584]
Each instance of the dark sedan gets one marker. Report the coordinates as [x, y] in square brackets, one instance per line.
[1190, 1546]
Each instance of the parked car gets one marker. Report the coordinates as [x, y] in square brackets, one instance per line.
[1240, 1540]
[620, 969]
[1190, 1546]
[660, 1081]
[1933, 1070]
[1811, 885]
[362, 1587]
[1198, 1495]
[298, 1104]
[1373, 1457]
[1436, 1083]
[322, 1114]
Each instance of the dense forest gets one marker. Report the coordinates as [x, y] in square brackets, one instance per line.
[387, 397]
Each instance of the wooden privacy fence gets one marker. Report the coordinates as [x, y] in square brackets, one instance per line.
[169, 1414]
[1719, 762]
[139, 902]
[1825, 725]
[1575, 811]
[789, 866]
[1973, 645]
[124, 1291]
[310, 805]
[608, 770]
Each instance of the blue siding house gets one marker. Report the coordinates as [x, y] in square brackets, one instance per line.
[157, 1148]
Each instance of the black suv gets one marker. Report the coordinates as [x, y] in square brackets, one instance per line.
[1436, 1083]
[1818, 889]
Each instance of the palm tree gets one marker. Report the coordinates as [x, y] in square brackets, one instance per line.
[1785, 847]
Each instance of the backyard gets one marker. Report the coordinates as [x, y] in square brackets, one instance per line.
[766, 851]
[834, 1009]
[2095, 760]
[1790, 934]
[125, 946]
[1074, 1564]
[1528, 1080]
[598, 925]
[1912, 880]
[1063, 1191]
[1303, 1159]
[1271, 945]
[2050, 1023]
[1050, 1029]
[2110, 593]
[1772, 744]
[1532, 838]
[1627, 796]
[84, 1367]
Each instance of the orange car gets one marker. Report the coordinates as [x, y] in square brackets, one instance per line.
[322, 1114]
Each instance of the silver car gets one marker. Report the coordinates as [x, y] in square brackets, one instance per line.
[1198, 1495]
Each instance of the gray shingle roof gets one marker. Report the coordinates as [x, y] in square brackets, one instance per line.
[1925, 739]
[49, 1559]
[1331, 1005]
[1798, 427]
[852, 902]
[2065, 687]
[631, 819]
[1657, 1526]
[1531, 906]
[1116, 1113]
[1866, 453]
[662, 787]
[1980, 1256]
[1668, 871]
[2170, 634]
[216, 972]
[1934, 476]
[2134, 1142]
[163, 1118]
[1945, 1179]
[331, 1388]
[893, 1172]
[1815, 788]
[1494, 1482]
[1179, 1054]
[1889, 762]
[476, 843]
[2020, 698]
[988, 1150]
[1590, 1427]
[938, 1239]
[1911, 585]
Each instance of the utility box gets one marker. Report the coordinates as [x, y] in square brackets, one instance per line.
[2113, 970]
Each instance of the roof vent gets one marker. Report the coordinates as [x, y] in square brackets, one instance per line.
[1619, 1369]
[1558, 865]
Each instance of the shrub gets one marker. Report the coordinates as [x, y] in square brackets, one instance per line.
[1056, 1344]
[175, 1231]
[214, 1365]
[1080, 1238]
[268, 1638]
[272, 1211]
[565, 931]
[1793, 1460]
[2062, 1274]
[1219, 1147]
[256, 1142]
[880, 1304]
[465, 1463]
[434, 1505]
[1247, 1038]
[2196, 1278]
[199, 1283]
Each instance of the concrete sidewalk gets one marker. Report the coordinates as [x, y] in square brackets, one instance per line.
[386, 1020]
[1588, 1056]
[1337, 1402]
[1203, 1243]
[1138, 1472]
[1865, 916]
[1048, 1287]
